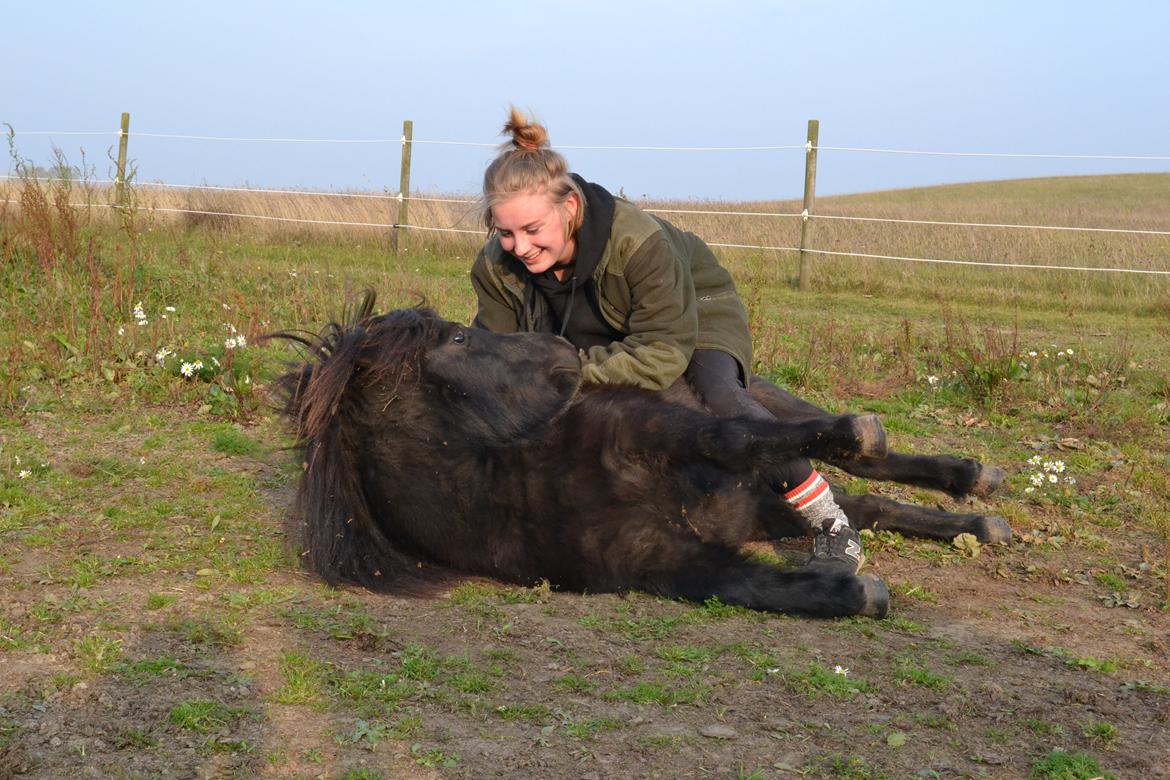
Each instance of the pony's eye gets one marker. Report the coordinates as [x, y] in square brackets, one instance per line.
[459, 337]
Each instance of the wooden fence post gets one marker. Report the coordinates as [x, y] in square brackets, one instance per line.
[120, 181]
[810, 188]
[403, 182]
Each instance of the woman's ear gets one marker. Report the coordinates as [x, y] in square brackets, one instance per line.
[572, 206]
[569, 213]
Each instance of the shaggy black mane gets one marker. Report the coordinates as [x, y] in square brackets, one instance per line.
[349, 356]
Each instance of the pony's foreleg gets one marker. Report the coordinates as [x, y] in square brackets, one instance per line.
[884, 514]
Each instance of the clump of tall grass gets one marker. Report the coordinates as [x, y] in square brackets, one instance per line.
[74, 278]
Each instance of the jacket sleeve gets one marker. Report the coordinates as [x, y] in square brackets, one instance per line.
[494, 311]
[663, 323]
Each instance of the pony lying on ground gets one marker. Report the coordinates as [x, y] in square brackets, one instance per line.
[425, 440]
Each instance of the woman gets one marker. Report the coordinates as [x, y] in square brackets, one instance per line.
[644, 302]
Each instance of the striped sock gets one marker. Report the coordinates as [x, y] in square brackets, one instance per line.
[813, 501]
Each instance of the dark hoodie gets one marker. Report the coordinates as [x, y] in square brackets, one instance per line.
[573, 302]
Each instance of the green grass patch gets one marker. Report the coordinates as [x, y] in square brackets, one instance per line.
[369, 693]
[304, 679]
[587, 729]
[204, 716]
[231, 441]
[145, 668]
[1059, 765]
[342, 622]
[417, 662]
[842, 767]
[97, 653]
[525, 712]
[1101, 732]
[659, 693]
[208, 631]
[908, 670]
[157, 601]
[816, 680]
[573, 683]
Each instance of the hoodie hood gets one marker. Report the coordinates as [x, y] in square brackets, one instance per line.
[578, 316]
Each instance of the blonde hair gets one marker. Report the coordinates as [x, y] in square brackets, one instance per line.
[528, 164]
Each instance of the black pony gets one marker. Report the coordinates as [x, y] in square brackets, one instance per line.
[425, 440]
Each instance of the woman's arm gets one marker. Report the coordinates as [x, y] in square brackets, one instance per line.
[663, 323]
[495, 311]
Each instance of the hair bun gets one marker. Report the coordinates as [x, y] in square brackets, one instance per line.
[527, 134]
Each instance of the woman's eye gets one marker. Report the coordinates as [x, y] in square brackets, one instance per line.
[459, 337]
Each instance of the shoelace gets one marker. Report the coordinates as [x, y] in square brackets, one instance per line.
[837, 525]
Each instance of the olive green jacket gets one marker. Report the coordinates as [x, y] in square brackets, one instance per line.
[659, 285]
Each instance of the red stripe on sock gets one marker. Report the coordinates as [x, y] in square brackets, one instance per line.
[816, 494]
[803, 486]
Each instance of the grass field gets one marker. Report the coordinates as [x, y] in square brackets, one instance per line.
[154, 621]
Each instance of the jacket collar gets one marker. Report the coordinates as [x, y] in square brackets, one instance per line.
[595, 230]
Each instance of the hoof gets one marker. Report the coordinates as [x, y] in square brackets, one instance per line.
[993, 530]
[871, 436]
[877, 596]
[990, 478]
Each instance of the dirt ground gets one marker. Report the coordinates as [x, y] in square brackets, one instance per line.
[986, 665]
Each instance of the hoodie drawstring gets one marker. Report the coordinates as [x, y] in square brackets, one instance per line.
[569, 309]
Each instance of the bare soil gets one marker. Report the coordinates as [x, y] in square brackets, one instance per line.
[985, 665]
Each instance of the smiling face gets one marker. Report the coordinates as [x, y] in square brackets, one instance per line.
[533, 228]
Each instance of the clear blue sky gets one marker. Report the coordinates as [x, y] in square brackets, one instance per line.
[1066, 77]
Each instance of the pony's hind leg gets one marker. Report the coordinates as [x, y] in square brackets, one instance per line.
[735, 580]
[957, 477]
[878, 513]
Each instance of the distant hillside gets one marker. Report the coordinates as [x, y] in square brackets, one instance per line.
[1138, 197]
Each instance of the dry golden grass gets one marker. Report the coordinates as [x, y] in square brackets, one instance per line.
[1128, 202]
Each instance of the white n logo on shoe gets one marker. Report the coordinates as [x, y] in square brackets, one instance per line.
[853, 549]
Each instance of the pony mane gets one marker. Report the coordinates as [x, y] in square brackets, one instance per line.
[361, 350]
[342, 542]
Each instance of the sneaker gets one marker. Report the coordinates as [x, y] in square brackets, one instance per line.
[837, 548]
